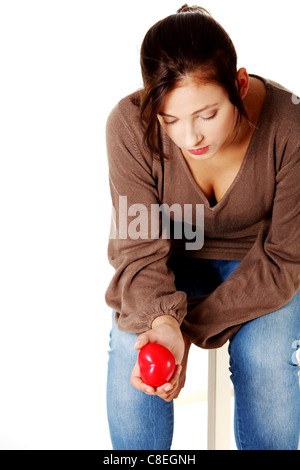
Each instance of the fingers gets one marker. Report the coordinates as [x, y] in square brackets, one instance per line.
[140, 385]
[137, 382]
[142, 340]
[171, 389]
[167, 392]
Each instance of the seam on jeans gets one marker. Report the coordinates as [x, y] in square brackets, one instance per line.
[152, 406]
[237, 429]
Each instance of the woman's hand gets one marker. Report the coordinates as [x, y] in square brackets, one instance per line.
[166, 331]
[174, 393]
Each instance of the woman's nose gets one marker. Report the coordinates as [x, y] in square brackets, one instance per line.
[192, 138]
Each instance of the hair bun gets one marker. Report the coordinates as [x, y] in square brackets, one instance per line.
[194, 9]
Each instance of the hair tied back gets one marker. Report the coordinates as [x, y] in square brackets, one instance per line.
[194, 9]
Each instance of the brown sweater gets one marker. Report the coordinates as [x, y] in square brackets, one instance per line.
[257, 221]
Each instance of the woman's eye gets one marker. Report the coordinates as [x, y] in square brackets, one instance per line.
[169, 123]
[210, 117]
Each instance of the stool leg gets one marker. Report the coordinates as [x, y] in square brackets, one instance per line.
[219, 394]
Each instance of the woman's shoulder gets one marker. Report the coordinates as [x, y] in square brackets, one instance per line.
[281, 120]
[126, 111]
[284, 102]
[125, 133]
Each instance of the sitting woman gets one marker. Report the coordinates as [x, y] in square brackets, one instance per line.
[204, 134]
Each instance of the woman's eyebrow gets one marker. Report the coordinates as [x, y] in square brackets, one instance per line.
[198, 111]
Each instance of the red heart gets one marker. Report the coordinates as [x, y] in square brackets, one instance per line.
[157, 364]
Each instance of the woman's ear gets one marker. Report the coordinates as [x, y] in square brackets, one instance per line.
[243, 82]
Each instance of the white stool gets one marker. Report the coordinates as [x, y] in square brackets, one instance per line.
[219, 398]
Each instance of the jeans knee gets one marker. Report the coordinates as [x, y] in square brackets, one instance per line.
[248, 362]
[265, 361]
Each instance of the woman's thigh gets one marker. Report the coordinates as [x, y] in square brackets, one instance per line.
[136, 421]
[264, 363]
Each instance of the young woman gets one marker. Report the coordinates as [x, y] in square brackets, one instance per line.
[203, 134]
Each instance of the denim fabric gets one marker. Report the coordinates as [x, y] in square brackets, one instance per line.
[136, 421]
[264, 371]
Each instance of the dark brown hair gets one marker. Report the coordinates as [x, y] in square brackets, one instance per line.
[188, 43]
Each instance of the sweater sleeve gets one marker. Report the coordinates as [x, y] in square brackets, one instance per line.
[266, 279]
[142, 287]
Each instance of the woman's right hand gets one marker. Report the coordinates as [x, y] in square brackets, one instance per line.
[166, 331]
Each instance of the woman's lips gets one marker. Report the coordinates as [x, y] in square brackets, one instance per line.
[199, 151]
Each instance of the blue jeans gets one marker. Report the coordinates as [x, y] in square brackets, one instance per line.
[264, 371]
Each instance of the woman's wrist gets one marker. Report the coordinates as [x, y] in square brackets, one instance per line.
[165, 319]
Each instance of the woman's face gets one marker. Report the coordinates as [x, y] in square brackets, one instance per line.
[199, 119]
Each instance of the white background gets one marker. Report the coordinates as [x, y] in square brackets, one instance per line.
[64, 65]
